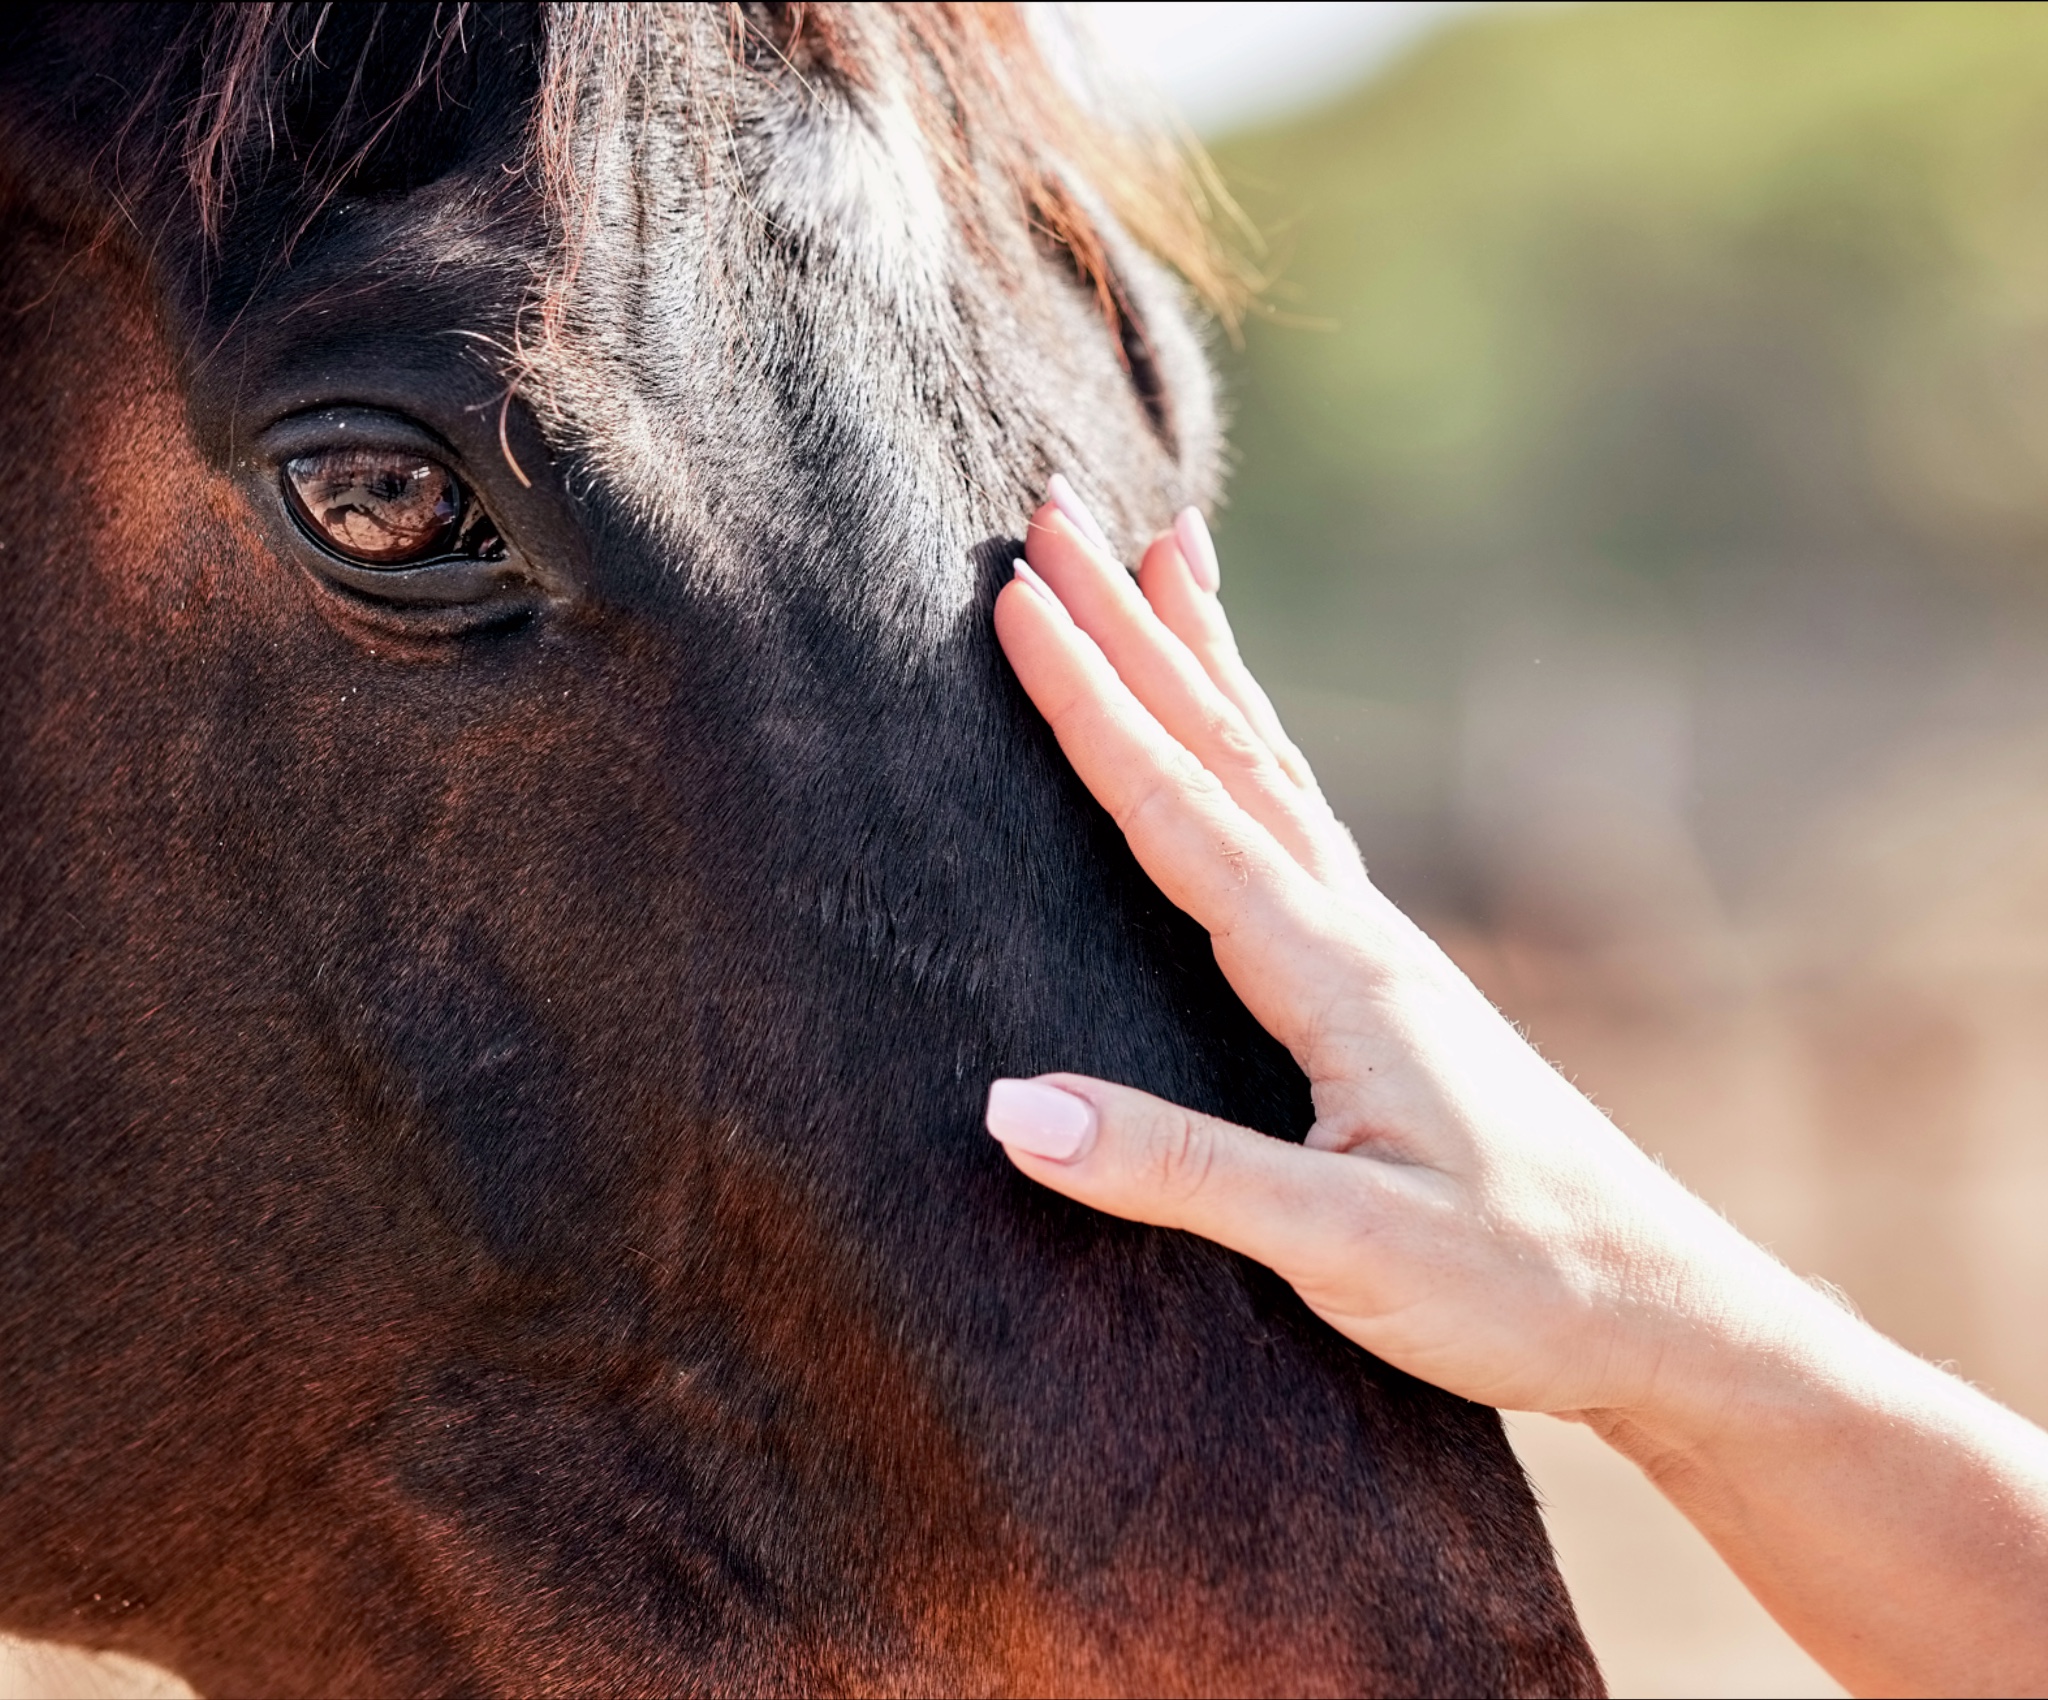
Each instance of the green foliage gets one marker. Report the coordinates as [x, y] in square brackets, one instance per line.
[1623, 311]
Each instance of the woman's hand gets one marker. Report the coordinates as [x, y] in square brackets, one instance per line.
[1460, 1210]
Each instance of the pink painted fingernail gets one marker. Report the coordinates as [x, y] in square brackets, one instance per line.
[1063, 496]
[1198, 549]
[1041, 1119]
[1022, 570]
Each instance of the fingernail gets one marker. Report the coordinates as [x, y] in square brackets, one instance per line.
[1022, 569]
[1064, 497]
[1032, 1116]
[1198, 549]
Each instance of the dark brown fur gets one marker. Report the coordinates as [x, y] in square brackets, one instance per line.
[495, 1201]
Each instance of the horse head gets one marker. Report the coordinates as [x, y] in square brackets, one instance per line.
[521, 857]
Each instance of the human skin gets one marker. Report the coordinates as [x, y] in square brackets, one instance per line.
[1461, 1211]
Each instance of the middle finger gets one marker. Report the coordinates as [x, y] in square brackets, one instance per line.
[1165, 676]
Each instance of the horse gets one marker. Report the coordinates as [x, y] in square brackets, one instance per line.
[520, 857]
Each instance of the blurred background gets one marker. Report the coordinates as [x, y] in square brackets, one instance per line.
[1640, 515]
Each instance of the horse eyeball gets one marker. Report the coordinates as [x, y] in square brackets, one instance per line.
[378, 506]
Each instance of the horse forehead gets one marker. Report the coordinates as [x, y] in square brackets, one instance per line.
[761, 316]
[851, 175]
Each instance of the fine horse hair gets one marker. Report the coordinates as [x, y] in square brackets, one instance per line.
[519, 856]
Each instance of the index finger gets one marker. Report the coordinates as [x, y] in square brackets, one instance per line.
[1209, 856]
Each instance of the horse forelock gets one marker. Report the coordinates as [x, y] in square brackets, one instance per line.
[988, 105]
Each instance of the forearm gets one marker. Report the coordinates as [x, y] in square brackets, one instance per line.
[1894, 1520]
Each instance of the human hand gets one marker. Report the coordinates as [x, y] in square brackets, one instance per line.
[1464, 1213]
[1458, 1208]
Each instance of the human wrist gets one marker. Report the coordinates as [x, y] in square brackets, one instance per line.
[1772, 1365]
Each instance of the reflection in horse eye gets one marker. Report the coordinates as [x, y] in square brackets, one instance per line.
[379, 506]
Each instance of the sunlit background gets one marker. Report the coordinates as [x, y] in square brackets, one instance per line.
[1640, 512]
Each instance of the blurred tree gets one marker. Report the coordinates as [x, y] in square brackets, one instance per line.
[1702, 344]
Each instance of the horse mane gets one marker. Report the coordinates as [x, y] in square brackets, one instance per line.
[988, 106]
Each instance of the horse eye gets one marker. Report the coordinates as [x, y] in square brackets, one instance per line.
[380, 507]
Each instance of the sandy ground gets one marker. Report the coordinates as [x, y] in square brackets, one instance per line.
[32, 1671]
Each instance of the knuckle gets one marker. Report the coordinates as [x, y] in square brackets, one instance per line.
[1233, 743]
[1155, 794]
[1070, 700]
[1179, 779]
[1181, 1153]
[1191, 774]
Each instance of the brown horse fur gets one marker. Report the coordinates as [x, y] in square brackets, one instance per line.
[495, 1200]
